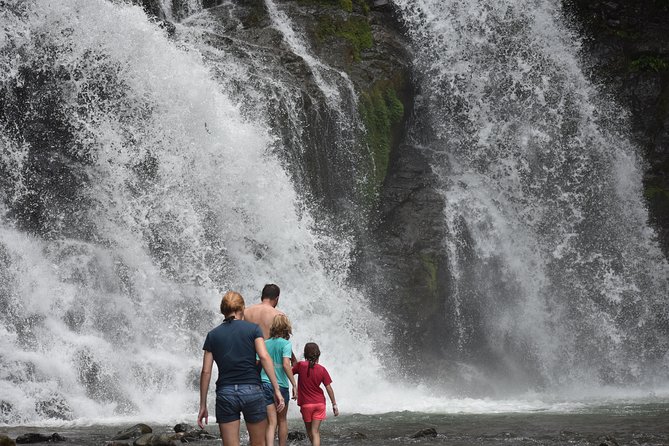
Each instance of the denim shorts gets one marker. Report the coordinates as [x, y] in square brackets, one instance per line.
[269, 394]
[248, 399]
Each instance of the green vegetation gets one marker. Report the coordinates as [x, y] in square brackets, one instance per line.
[381, 109]
[346, 5]
[649, 63]
[430, 264]
[656, 192]
[355, 30]
[626, 34]
[364, 6]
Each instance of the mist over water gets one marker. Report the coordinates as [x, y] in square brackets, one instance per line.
[557, 279]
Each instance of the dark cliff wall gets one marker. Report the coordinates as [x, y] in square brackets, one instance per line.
[627, 50]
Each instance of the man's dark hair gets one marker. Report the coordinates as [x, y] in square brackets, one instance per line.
[270, 291]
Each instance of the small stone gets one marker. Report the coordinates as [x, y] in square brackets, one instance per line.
[356, 436]
[607, 440]
[296, 436]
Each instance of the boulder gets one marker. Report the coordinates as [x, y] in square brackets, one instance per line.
[183, 427]
[39, 438]
[194, 434]
[428, 432]
[134, 431]
[156, 440]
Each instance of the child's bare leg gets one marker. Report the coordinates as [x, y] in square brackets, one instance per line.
[307, 427]
[283, 427]
[271, 425]
[316, 433]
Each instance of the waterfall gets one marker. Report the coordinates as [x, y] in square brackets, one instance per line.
[142, 172]
[176, 10]
[135, 186]
[310, 107]
[556, 272]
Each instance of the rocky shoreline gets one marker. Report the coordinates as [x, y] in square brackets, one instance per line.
[616, 425]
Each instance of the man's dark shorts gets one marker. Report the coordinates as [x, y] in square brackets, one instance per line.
[269, 394]
[248, 399]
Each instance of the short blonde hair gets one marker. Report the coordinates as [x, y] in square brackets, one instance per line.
[232, 301]
[281, 327]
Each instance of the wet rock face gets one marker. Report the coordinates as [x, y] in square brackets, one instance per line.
[336, 160]
[51, 171]
[627, 47]
[399, 214]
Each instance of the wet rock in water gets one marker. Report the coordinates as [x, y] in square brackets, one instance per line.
[194, 434]
[117, 443]
[134, 431]
[607, 440]
[296, 436]
[156, 440]
[54, 407]
[429, 432]
[6, 411]
[39, 438]
[356, 436]
[6, 441]
[183, 427]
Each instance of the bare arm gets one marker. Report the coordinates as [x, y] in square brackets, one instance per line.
[205, 377]
[289, 373]
[268, 365]
[335, 409]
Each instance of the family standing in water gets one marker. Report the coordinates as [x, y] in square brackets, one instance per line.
[260, 335]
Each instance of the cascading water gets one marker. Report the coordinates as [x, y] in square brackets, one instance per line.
[309, 106]
[557, 278]
[133, 190]
[140, 174]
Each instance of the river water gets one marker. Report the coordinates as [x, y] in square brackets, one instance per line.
[625, 422]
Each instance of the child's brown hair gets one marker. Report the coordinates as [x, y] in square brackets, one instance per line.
[311, 354]
[281, 327]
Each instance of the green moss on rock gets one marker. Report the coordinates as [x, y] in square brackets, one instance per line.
[649, 63]
[654, 192]
[346, 5]
[380, 109]
[355, 30]
[430, 264]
